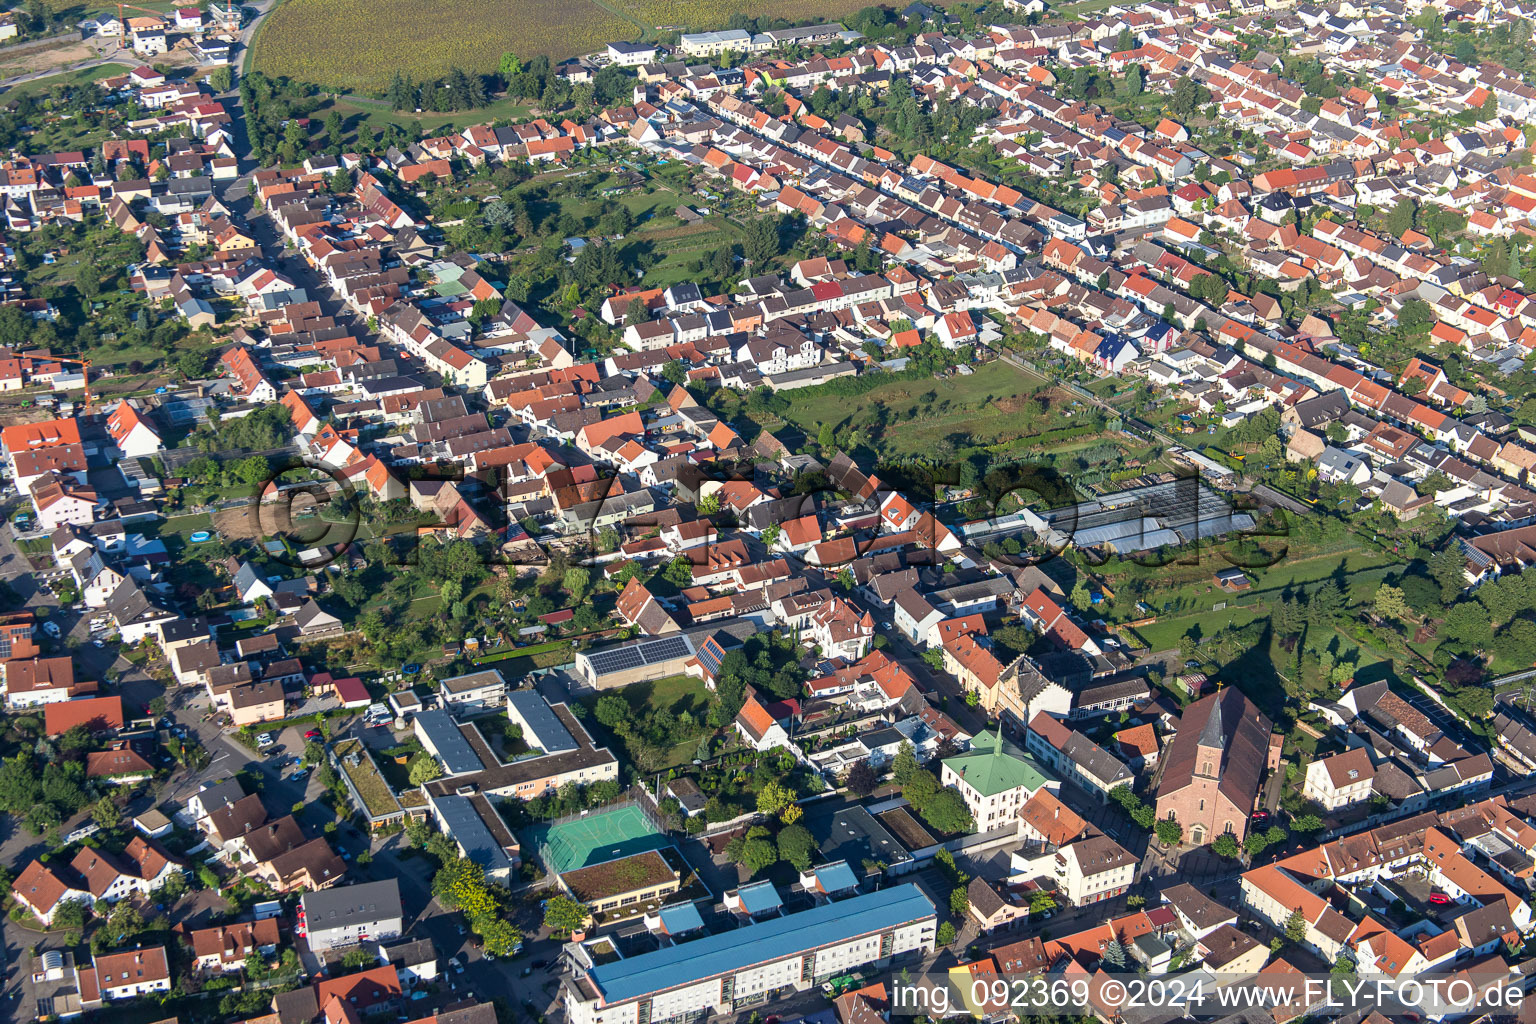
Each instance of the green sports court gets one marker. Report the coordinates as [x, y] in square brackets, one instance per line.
[596, 838]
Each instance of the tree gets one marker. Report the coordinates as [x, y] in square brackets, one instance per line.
[500, 937]
[862, 779]
[105, 813]
[755, 851]
[920, 788]
[959, 901]
[70, 915]
[946, 934]
[1389, 603]
[1114, 954]
[1449, 569]
[123, 922]
[796, 845]
[1169, 833]
[1187, 647]
[563, 915]
[352, 961]
[1289, 618]
[1296, 927]
[1467, 623]
[222, 78]
[612, 711]
[904, 765]
[175, 887]
[1400, 218]
[1225, 845]
[424, 768]
[575, 582]
[761, 245]
[1079, 596]
[679, 571]
[773, 798]
[1325, 605]
[401, 93]
[1307, 823]
[946, 811]
[88, 281]
[1188, 96]
[1415, 316]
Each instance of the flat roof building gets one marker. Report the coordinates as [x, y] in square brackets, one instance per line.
[475, 690]
[440, 734]
[541, 728]
[462, 817]
[523, 777]
[730, 970]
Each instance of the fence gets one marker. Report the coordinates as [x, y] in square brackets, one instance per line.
[555, 850]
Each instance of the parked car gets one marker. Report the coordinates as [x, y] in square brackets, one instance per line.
[1439, 899]
[265, 740]
[312, 734]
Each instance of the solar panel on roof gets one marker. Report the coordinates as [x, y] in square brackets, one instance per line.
[647, 652]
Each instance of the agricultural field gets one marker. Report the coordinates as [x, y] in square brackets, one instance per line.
[353, 45]
[357, 45]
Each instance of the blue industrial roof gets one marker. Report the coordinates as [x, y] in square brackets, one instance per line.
[464, 825]
[541, 727]
[777, 939]
[836, 877]
[453, 749]
[759, 897]
[680, 918]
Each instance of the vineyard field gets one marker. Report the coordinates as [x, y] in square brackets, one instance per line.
[358, 45]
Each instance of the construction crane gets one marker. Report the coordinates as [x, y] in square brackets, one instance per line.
[85, 370]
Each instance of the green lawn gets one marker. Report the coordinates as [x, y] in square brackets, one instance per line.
[358, 111]
[1164, 634]
[42, 86]
[989, 406]
[676, 694]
